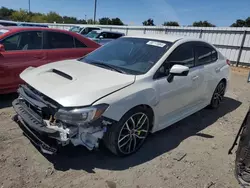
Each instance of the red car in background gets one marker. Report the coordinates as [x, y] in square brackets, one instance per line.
[21, 47]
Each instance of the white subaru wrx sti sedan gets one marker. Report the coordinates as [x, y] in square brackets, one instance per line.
[120, 92]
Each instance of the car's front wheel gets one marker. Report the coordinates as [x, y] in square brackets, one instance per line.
[128, 135]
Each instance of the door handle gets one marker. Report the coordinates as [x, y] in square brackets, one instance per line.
[195, 77]
[217, 70]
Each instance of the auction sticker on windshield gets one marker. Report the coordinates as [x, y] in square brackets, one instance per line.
[154, 43]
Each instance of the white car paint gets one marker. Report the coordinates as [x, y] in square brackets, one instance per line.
[178, 69]
[88, 84]
[170, 102]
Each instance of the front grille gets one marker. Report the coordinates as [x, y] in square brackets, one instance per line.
[34, 110]
[48, 100]
[37, 102]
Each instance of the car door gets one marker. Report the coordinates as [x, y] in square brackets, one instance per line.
[61, 46]
[22, 50]
[178, 98]
[206, 59]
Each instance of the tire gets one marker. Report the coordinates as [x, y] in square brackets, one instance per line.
[218, 95]
[242, 161]
[126, 137]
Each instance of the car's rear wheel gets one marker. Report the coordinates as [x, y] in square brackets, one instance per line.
[218, 95]
[128, 135]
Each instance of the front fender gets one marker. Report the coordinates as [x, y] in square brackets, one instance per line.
[122, 101]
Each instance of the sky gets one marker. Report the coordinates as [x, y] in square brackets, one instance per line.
[134, 12]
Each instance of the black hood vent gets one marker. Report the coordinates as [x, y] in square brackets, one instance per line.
[62, 74]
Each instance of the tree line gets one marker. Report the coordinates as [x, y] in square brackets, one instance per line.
[51, 17]
[150, 22]
[238, 23]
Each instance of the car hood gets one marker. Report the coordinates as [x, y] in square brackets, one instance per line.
[72, 83]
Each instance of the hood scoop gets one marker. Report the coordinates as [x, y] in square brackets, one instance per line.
[62, 74]
[53, 76]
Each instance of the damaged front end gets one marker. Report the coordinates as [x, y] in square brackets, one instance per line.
[49, 125]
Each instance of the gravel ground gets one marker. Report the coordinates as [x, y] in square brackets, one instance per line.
[191, 153]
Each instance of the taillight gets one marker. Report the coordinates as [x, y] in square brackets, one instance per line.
[228, 62]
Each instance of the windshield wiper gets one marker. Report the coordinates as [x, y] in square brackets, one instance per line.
[112, 67]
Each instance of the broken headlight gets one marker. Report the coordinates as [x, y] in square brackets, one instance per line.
[81, 116]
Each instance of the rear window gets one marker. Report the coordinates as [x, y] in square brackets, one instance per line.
[2, 31]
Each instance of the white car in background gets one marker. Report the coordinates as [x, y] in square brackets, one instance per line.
[104, 37]
[83, 30]
[120, 92]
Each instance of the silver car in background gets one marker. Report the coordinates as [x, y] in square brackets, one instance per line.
[83, 30]
[103, 37]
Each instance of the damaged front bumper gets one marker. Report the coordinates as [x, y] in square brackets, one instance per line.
[32, 117]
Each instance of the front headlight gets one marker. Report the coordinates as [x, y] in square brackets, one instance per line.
[80, 116]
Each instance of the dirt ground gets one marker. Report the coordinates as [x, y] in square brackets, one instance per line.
[191, 153]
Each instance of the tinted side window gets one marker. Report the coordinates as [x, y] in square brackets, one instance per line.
[59, 40]
[117, 36]
[31, 40]
[183, 55]
[79, 44]
[214, 55]
[205, 55]
[11, 43]
[85, 31]
[113, 35]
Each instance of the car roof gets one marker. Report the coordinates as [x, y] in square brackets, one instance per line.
[86, 26]
[113, 32]
[162, 37]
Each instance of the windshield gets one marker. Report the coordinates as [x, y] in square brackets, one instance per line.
[75, 29]
[92, 34]
[2, 31]
[131, 55]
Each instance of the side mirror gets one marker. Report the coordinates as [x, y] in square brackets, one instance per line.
[2, 49]
[177, 70]
[101, 37]
[248, 80]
